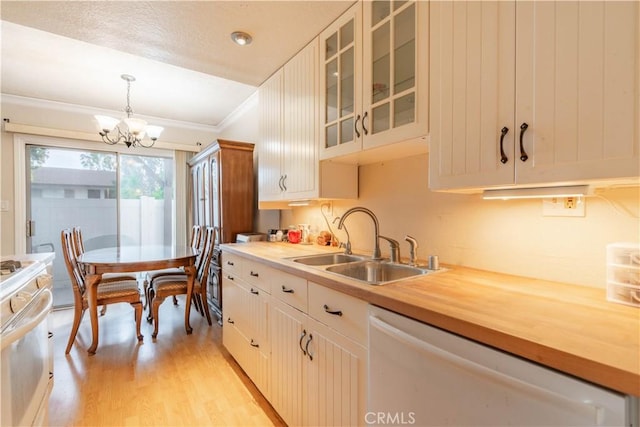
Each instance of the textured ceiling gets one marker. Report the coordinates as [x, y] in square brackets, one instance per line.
[186, 65]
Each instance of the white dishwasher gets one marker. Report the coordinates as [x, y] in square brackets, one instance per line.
[421, 375]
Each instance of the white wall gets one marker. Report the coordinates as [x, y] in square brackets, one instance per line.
[504, 236]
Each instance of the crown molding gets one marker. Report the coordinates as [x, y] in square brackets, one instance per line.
[46, 104]
[236, 114]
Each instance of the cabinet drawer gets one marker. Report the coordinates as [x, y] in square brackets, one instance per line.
[257, 274]
[344, 313]
[231, 263]
[290, 289]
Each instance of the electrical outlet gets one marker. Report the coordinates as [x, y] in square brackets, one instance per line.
[570, 203]
[563, 206]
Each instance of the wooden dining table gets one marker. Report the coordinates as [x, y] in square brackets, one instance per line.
[134, 259]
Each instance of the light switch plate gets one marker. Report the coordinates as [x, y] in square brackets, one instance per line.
[563, 206]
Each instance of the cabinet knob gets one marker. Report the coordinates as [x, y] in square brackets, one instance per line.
[523, 154]
[287, 290]
[333, 312]
[304, 334]
[503, 157]
[364, 125]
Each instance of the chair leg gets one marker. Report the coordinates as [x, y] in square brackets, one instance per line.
[78, 314]
[104, 310]
[155, 303]
[175, 300]
[205, 305]
[138, 308]
[145, 286]
[150, 297]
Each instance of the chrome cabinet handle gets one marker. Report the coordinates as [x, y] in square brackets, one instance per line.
[230, 321]
[230, 277]
[287, 291]
[304, 334]
[523, 154]
[503, 157]
[355, 126]
[334, 312]
[306, 347]
[254, 274]
[364, 127]
[253, 291]
[280, 183]
[284, 182]
[254, 344]
[230, 263]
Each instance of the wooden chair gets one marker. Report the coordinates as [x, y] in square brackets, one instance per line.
[195, 241]
[78, 249]
[112, 291]
[172, 285]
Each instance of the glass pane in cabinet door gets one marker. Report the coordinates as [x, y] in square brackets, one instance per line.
[380, 118]
[346, 131]
[215, 193]
[398, 4]
[331, 136]
[331, 45]
[404, 110]
[347, 95]
[404, 50]
[379, 11]
[346, 34]
[381, 63]
[331, 91]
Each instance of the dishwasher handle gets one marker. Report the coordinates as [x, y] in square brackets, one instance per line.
[424, 347]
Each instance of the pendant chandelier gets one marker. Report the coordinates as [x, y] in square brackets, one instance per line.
[136, 129]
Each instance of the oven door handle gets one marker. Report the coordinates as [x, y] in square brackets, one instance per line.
[29, 318]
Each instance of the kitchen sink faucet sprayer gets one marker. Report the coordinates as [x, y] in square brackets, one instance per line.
[376, 250]
[413, 250]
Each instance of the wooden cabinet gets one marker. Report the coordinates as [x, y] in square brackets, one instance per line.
[289, 168]
[222, 196]
[533, 93]
[374, 79]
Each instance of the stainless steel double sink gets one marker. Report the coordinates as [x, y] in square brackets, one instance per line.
[359, 267]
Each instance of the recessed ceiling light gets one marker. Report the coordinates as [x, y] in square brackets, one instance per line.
[241, 38]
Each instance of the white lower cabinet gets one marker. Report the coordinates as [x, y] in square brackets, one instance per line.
[318, 375]
[303, 345]
[245, 334]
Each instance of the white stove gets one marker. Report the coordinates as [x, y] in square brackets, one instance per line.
[26, 365]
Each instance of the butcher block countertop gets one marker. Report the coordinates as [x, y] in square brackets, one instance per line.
[566, 327]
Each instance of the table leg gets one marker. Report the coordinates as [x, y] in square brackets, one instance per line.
[92, 281]
[191, 276]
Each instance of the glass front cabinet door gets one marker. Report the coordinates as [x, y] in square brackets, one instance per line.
[374, 63]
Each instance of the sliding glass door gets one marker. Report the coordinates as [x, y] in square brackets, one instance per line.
[116, 199]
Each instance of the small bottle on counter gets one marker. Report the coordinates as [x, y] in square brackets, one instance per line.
[279, 235]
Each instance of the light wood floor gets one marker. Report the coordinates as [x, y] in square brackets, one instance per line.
[178, 379]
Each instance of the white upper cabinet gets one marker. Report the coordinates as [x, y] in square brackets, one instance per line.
[374, 77]
[533, 93]
[289, 167]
